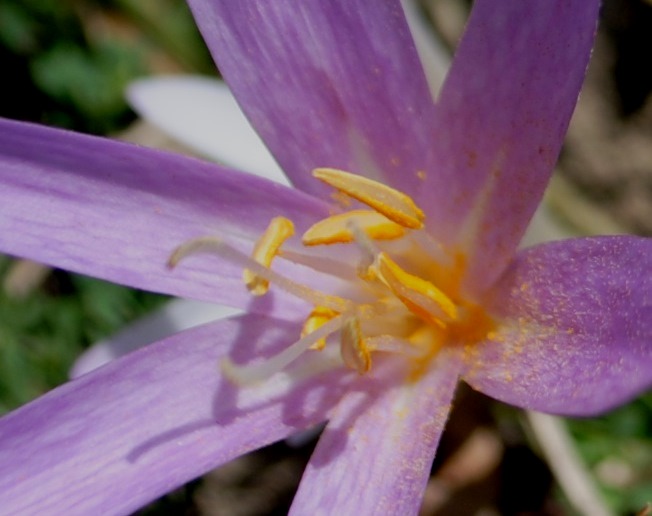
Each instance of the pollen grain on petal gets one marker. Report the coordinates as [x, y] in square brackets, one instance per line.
[396, 206]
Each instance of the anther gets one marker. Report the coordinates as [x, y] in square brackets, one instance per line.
[396, 206]
[336, 229]
[420, 296]
[355, 353]
[317, 318]
[216, 246]
[266, 248]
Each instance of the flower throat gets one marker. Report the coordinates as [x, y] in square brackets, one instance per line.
[411, 310]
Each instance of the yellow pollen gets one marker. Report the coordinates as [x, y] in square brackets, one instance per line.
[317, 318]
[420, 296]
[396, 206]
[354, 350]
[429, 340]
[337, 229]
[266, 248]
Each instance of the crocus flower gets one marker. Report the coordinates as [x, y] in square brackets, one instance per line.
[423, 289]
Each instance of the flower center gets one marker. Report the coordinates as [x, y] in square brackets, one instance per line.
[407, 288]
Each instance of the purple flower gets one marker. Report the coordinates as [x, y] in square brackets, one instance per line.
[563, 327]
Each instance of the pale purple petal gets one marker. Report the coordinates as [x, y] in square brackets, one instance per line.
[173, 317]
[377, 450]
[325, 84]
[116, 438]
[501, 119]
[201, 113]
[116, 211]
[575, 334]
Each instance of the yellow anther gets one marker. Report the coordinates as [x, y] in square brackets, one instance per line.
[396, 206]
[337, 229]
[420, 296]
[355, 352]
[317, 318]
[426, 337]
[266, 248]
[429, 340]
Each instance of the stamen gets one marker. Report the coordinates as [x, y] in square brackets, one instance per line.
[250, 374]
[395, 205]
[335, 229]
[386, 310]
[420, 296]
[319, 264]
[214, 245]
[369, 252]
[355, 352]
[317, 318]
[266, 248]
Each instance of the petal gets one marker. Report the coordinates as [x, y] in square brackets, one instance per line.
[201, 113]
[576, 330]
[173, 317]
[376, 452]
[434, 56]
[326, 84]
[116, 438]
[117, 211]
[502, 116]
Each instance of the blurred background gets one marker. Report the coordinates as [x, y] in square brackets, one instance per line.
[66, 63]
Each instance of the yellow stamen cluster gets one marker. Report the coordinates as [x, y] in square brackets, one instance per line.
[424, 310]
[409, 314]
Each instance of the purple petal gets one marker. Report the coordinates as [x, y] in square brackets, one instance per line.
[114, 439]
[502, 115]
[376, 452]
[173, 317]
[117, 211]
[576, 330]
[326, 84]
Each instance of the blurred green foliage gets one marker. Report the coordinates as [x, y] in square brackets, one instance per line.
[43, 333]
[617, 447]
[59, 69]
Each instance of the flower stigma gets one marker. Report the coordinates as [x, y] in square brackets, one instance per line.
[405, 295]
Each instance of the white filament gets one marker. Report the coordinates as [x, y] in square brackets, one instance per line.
[250, 374]
[213, 245]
